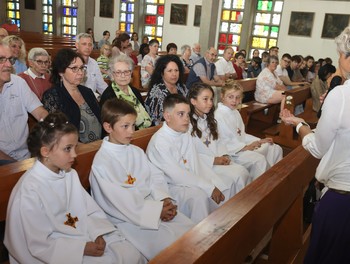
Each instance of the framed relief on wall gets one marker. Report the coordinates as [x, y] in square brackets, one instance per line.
[197, 16]
[334, 24]
[301, 23]
[106, 8]
[178, 14]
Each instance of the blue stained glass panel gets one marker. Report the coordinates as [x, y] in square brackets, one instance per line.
[128, 27]
[74, 12]
[130, 8]
[130, 18]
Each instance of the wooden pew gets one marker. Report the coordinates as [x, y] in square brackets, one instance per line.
[254, 113]
[10, 174]
[285, 134]
[270, 207]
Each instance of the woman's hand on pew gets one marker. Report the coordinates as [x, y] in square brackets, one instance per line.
[217, 196]
[169, 210]
[95, 249]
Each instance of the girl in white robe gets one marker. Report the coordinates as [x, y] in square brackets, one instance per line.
[204, 127]
[197, 188]
[256, 154]
[50, 216]
[130, 189]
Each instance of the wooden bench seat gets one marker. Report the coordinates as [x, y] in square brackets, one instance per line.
[256, 116]
[286, 135]
[271, 205]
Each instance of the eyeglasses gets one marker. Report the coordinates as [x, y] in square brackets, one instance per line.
[3, 60]
[121, 73]
[76, 69]
[42, 63]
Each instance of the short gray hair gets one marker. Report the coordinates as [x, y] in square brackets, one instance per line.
[184, 48]
[83, 35]
[343, 42]
[119, 58]
[35, 52]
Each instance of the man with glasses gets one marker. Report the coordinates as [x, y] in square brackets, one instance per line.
[204, 70]
[93, 79]
[282, 72]
[16, 101]
[37, 76]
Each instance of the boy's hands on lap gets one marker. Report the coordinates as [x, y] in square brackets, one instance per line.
[217, 196]
[223, 160]
[95, 249]
[169, 210]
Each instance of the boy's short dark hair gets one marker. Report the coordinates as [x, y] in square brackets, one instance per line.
[173, 99]
[171, 46]
[113, 109]
[153, 41]
[296, 58]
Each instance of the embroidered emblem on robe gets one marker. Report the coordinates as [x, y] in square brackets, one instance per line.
[207, 142]
[130, 180]
[238, 131]
[71, 220]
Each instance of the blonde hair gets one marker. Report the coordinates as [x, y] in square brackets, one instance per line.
[232, 85]
[103, 47]
[12, 38]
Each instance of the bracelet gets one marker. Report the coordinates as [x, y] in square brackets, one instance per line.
[297, 128]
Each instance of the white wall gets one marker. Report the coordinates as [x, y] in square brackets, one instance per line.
[102, 23]
[178, 34]
[315, 45]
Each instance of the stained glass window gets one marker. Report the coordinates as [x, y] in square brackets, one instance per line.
[69, 17]
[154, 17]
[12, 12]
[127, 14]
[47, 17]
[230, 24]
[266, 25]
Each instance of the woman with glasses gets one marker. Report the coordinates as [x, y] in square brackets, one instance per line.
[166, 79]
[67, 95]
[37, 76]
[120, 69]
[18, 51]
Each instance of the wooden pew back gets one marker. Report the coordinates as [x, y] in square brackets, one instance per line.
[231, 233]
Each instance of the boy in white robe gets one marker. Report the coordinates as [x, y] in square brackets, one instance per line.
[50, 216]
[196, 187]
[130, 189]
[256, 154]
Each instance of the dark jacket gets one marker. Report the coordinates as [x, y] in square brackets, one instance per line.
[192, 76]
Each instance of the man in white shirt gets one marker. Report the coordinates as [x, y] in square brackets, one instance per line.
[94, 80]
[16, 101]
[282, 72]
[224, 66]
[196, 52]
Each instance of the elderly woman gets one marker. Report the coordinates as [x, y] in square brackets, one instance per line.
[18, 51]
[120, 69]
[166, 79]
[67, 95]
[269, 88]
[37, 76]
[185, 58]
[330, 235]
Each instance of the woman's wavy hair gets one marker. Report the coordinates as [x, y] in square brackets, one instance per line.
[161, 63]
[193, 93]
[61, 62]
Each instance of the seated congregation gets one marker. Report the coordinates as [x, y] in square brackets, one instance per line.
[199, 159]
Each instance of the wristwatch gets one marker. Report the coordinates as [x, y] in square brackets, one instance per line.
[302, 123]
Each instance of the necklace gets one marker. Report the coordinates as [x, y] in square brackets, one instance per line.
[129, 179]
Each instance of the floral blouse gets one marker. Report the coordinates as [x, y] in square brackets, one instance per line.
[155, 99]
